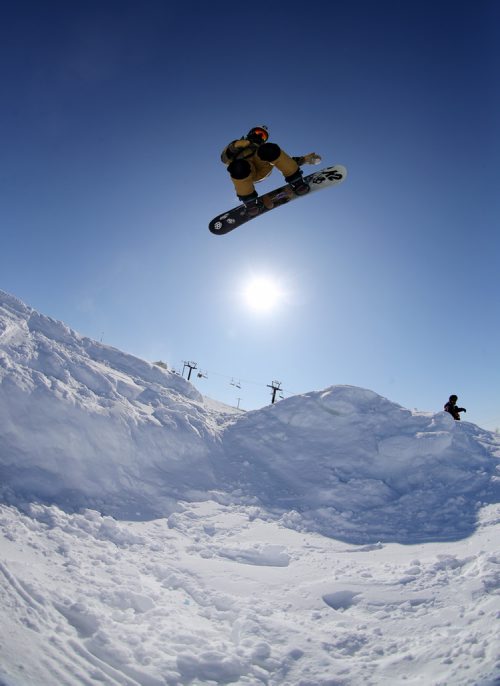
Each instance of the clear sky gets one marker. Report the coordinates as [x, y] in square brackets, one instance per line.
[113, 116]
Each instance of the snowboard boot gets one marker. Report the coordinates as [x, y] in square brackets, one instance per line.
[297, 183]
[253, 204]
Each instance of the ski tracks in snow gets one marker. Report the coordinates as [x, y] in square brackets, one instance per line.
[58, 636]
[222, 594]
[64, 661]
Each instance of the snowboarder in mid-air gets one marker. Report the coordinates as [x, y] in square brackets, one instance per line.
[451, 407]
[251, 158]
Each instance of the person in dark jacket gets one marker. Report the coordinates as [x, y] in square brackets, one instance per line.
[451, 407]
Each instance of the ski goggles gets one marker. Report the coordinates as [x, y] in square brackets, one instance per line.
[258, 135]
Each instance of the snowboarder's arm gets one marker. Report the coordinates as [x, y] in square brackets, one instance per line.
[234, 150]
[310, 158]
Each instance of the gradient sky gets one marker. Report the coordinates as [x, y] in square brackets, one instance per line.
[113, 115]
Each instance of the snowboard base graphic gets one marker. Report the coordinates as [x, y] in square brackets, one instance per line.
[224, 223]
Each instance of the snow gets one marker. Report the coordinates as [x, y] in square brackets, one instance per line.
[153, 536]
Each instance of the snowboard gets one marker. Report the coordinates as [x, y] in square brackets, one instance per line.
[224, 223]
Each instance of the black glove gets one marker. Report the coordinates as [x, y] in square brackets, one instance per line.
[462, 409]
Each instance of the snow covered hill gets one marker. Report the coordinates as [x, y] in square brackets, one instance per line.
[352, 465]
[86, 425]
[150, 536]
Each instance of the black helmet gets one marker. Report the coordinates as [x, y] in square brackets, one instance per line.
[258, 135]
[453, 398]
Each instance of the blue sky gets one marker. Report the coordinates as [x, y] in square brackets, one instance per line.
[113, 118]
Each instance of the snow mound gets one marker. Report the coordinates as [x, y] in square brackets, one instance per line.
[83, 425]
[350, 464]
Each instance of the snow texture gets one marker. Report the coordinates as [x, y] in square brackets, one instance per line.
[151, 536]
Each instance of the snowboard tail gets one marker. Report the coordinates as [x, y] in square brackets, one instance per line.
[230, 220]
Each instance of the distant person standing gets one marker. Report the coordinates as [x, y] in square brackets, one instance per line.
[451, 407]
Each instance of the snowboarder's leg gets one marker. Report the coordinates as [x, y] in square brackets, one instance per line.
[242, 177]
[270, 152]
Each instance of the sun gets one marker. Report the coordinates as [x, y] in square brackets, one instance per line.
[263, 294]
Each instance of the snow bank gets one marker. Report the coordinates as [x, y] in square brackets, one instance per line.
[268, 544]
[351, 464]
[85, 425]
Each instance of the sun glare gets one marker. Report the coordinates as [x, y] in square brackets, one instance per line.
[263, 294]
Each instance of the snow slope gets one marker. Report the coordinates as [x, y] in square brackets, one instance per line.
[151, 536]
[86, 425]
